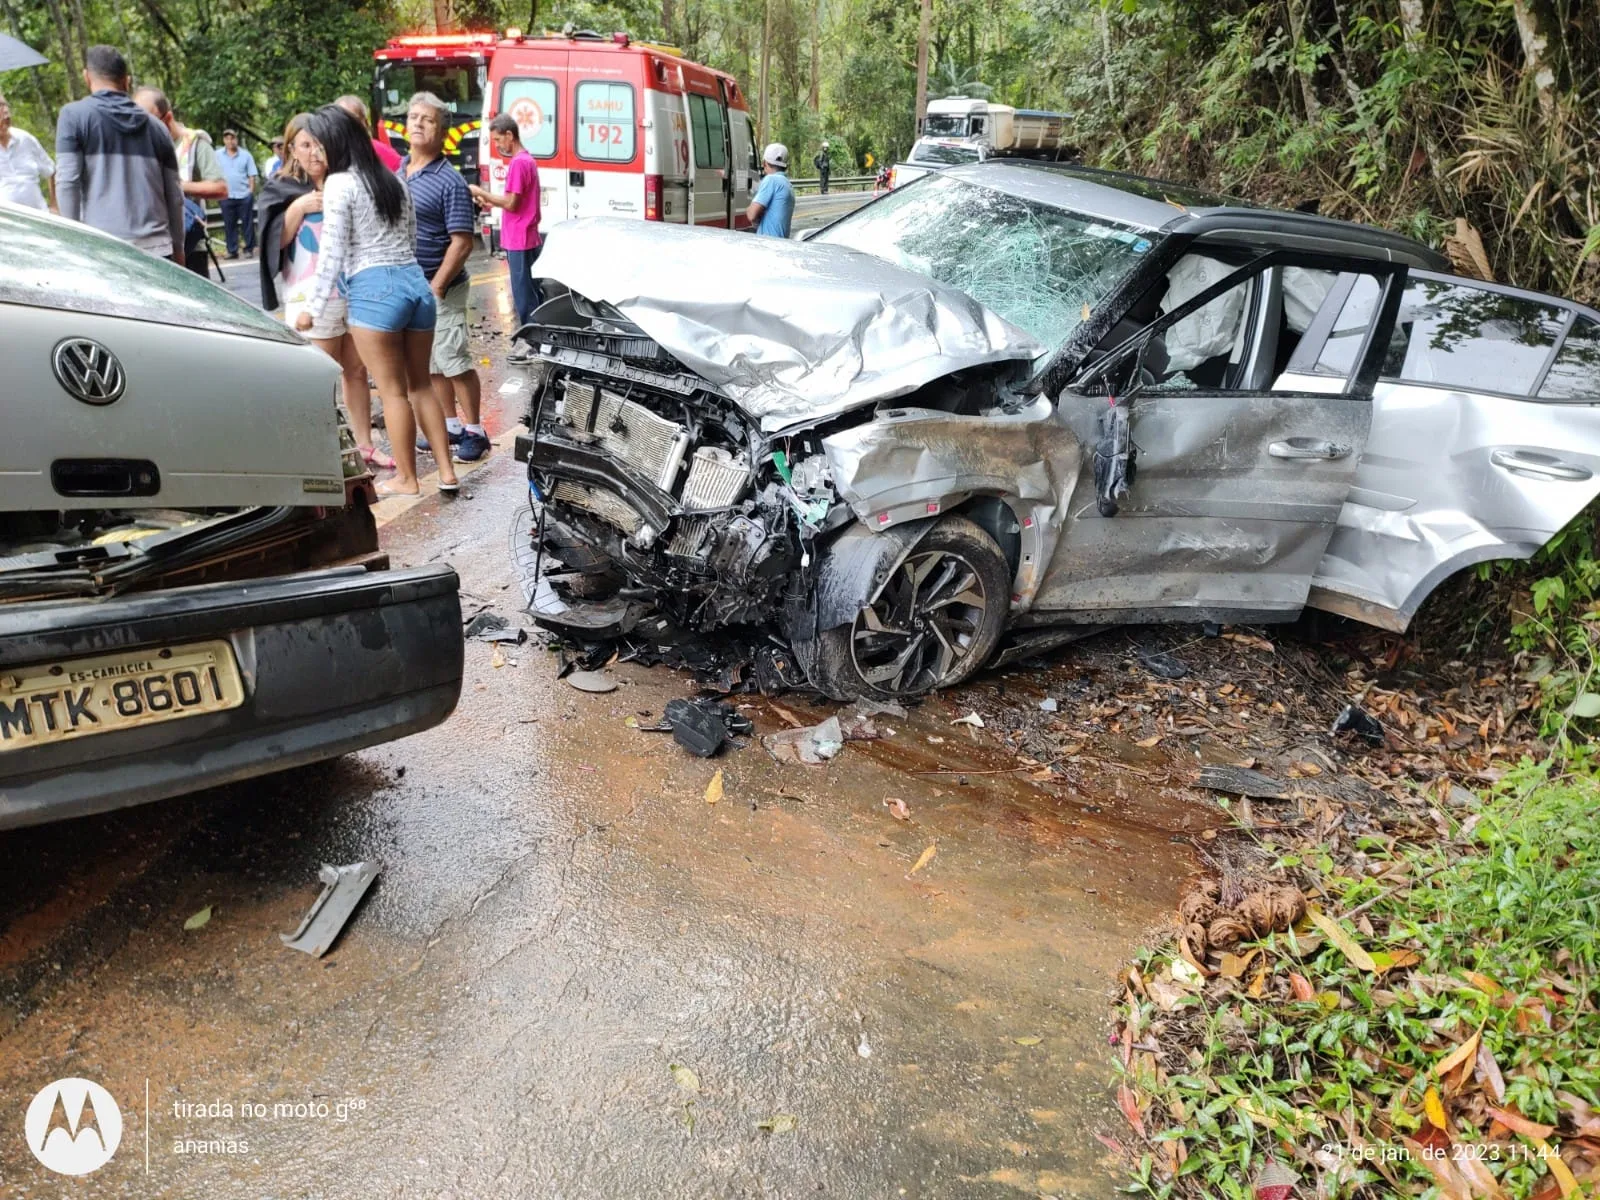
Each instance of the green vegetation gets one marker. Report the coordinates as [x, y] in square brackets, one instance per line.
[1465, 1023]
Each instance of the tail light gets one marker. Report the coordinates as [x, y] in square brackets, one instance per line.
[891, 178]
[652, 197]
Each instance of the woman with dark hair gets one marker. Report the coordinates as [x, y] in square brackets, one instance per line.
[366, 253]
[298, 235]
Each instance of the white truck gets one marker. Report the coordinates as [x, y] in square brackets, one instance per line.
[960, 129]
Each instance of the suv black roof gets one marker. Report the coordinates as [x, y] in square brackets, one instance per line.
[1155, 205]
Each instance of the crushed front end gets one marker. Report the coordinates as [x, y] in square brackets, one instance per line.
[653, 495]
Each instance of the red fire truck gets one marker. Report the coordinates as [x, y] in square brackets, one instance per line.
[618, 127]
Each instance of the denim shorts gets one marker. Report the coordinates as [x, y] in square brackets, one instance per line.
[391, 299]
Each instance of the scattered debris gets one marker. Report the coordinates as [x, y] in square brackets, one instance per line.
[862, 1048]
[1161, 664]
[487, 626]
[200, 919]
[972, 719]
[812, 745]
[592, 681]
[869, 707]
[781, 1123]
[1240, 781]
[1048, 704]
[702, 727]
[342, 889]
[1356, 720]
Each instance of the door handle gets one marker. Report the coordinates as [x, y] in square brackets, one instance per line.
[1312, 448]
[1538, 466]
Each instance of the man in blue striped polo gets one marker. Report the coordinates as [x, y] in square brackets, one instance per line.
[446, 231]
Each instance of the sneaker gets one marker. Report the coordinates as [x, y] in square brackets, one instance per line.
[455, 440]
[473, 447]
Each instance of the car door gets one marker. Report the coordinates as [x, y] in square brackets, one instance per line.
[1237, 482]
[708, 120]
[607, 174]
[742, 166]
[1485, 439]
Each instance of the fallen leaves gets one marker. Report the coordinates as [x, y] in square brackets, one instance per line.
[1129, 1105]
[778, 1123]
[684, 1077]
[714, 788]
[1347, 945]
[199, 920]
[1466, 1052]
[924, 859]
[897, 808]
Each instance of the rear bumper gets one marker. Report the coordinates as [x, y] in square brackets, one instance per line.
[332, 661]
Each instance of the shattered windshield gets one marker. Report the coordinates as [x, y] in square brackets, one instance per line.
[947, 156]
[1041, 268]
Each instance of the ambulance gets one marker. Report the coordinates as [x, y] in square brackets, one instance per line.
[623, 129]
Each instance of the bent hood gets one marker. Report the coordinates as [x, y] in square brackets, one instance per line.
[791, 332]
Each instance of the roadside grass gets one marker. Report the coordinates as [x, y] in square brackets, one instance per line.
[1440, 1038]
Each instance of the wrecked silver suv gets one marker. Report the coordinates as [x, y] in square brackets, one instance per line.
[1009, 403]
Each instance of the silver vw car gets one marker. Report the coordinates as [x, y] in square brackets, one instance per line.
[191, 587]
[1010, 402]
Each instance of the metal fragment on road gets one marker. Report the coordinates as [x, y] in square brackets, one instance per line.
[342, 889]
[592, 681]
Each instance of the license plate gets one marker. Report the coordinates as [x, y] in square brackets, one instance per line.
[55, 702]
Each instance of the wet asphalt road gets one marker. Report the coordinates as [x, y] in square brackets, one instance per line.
[561, 919]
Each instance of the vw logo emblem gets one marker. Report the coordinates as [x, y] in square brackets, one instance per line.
[88, 371]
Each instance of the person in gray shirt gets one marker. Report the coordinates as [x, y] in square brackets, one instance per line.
[116, 169]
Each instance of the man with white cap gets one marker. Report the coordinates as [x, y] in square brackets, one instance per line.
[772, 209]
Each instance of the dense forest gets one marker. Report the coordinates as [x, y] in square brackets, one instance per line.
[1406, 113]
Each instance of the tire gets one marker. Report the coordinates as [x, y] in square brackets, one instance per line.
[897, 647]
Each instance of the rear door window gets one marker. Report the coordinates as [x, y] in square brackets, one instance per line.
[1465, 337]
[1575, 374]
[1473, 339]
[605, 121]
[710, 146]
[532, 104]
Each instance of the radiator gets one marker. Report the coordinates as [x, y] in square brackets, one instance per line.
[579, 405]
[608, 506]
[650, 444]
[716, 479]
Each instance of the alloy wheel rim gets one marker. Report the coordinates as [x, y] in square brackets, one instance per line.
[920, 628]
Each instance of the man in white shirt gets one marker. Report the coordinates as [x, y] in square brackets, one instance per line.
[23, 163]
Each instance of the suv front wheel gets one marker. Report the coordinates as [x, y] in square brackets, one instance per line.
[934, 621]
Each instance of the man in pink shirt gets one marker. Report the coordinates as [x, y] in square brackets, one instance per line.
[519, 226]
[357, 108]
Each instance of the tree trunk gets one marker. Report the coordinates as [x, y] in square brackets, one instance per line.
[1297, 26]
[1411, 19]
[68, 59]
[1105, 51]
[766, 68]
[442, 17]
[1536, 20]
[922, 61]
[666, 21]
[816, 58]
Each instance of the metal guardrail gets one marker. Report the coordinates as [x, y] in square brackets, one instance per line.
[844, 183]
